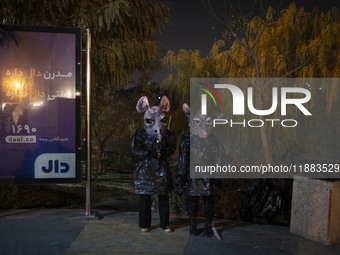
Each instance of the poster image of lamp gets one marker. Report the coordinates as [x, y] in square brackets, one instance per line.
[18, 88]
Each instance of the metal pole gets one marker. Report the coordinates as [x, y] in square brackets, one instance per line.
[88, 124]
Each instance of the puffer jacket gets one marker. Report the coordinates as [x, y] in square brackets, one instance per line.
[197, 186]
[152, 174]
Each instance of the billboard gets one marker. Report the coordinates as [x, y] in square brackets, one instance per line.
[39, 104]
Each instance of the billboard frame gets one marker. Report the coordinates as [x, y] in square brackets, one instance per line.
[78, 88]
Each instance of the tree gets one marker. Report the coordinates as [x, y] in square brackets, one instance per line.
[123, 40]
[279, 44]
[291, 43]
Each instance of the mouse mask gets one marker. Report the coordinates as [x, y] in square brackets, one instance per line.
[155, 121]
[200, 125]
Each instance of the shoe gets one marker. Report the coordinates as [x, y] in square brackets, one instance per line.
[144, 230]
[167, 229]
[193, 225]
[207, 228]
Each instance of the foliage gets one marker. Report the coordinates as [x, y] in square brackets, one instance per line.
[177, 203]
[118, 129]
[123, 31]
[291, 43]
[39, 196]
[7, 196]
[123, 41]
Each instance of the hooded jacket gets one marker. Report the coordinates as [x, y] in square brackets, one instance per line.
[152, 174]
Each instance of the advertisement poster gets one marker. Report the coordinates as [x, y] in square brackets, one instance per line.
[39, 100]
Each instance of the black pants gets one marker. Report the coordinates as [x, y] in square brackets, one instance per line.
[208, 206]
[145, 210]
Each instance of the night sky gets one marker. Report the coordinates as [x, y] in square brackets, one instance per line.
[194, 28]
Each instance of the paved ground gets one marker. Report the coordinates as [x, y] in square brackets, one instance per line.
[63, 231]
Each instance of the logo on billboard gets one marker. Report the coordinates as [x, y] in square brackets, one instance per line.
[55, 165]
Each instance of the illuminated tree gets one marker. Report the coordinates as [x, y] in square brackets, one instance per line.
[290, 43]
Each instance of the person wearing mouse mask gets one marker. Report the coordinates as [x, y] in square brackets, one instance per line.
[152, 146]
[203, 143]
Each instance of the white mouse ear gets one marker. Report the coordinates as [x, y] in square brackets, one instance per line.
[165, 104]
[142, 104]
[186, 110]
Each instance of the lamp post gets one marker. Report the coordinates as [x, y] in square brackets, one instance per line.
[88, 114]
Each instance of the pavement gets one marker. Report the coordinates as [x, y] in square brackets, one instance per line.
[70, 232]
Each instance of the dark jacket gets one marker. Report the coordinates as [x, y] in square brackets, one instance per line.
[152, 174]
[197, 186]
